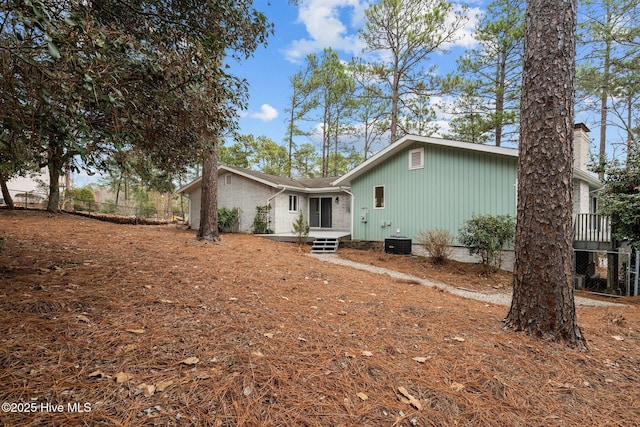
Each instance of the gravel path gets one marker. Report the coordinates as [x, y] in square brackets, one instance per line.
[496, 298]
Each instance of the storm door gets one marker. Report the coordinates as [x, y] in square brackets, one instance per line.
[320, 212]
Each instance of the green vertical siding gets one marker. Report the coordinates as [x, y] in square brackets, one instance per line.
[453, 185]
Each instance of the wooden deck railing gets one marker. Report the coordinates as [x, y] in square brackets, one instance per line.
[591, 228]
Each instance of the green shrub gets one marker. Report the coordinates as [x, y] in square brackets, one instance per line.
[487, 236]
[261, 221]
[83, 199]
[301, 229]
[227, 219]
[438, 243]
[620, 197]
[147, 209]
[109, 207]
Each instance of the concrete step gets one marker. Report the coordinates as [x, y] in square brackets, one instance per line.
[325, 245]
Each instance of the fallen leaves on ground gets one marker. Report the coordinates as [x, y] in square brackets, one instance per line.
[120, 306]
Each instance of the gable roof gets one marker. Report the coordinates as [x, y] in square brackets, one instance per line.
[307, 185]
[408, 140]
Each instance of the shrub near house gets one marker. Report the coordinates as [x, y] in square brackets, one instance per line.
[438, 243]
[487, 236]
[227, 220]
[301, 229]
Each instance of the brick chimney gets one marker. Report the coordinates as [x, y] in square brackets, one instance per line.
[581, 142]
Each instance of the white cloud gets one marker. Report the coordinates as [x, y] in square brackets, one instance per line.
[443, 128]
[327, 26]
[266, 114]
[335, 24]
[465, 37]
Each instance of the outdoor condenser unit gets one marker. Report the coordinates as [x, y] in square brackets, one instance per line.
[398, 245]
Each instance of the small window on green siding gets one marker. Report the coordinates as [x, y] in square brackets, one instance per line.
[416, 158]
[293, 203]
[378, 197]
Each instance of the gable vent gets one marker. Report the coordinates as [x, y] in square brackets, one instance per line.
[416, 158]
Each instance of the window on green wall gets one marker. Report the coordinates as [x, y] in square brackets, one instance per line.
[378, 197]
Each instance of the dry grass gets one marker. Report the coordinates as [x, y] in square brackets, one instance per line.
[281, 339]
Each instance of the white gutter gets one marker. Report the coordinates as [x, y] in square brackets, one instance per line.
[309, 190]
[277, 194]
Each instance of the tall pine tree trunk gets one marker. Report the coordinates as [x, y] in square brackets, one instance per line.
[501, 75]
[395, 107]
[543, 301]
[604, 96]
[209, 201]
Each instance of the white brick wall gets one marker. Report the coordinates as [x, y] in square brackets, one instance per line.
[235, 191]
[244, 194]
[282, 218]
[581, 197]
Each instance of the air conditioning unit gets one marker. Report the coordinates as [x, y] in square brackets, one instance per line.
[398, 245]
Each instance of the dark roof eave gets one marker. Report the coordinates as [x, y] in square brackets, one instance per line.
[288, 184]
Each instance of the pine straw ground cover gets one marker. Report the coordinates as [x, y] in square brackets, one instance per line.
[144, 325]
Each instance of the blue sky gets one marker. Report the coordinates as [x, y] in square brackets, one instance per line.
[318, 24]
[299, 31]
[310, 27]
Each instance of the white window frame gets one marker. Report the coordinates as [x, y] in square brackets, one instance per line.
[293, 198]
[374, 197]
[227, 179]
[421, 163]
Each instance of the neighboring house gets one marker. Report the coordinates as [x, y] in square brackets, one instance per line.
[324, 207]
[30, 190]
[423, 183]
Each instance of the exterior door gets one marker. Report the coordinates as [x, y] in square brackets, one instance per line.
[320, 212]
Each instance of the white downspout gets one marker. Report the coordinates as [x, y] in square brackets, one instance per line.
[353, 200]
[269, 202]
